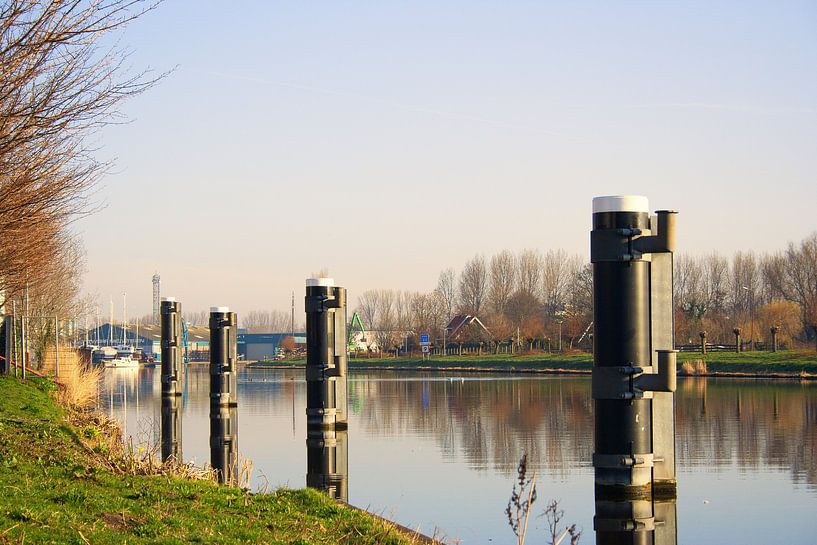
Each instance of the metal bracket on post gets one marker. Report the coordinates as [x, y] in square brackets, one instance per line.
[665, 379]
[618, 461]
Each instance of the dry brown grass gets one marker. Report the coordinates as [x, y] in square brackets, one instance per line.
[695, 367]
[78, 386]
[102, 438]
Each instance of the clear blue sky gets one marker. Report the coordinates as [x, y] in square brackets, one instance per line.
[389, 140]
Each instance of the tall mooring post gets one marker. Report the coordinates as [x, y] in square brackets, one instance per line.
[223, 394]
[172, 378]
[634, 373]
[326, 380]
[738, 342]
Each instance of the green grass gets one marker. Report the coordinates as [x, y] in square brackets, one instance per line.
[489, 362]
[787, 362]
[784, 362]
[54, 490]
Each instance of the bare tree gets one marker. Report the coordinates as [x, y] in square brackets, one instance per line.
[368, 304]
[385, 326]
[503, 279]
[428, 312]
[744, 283]
[57, 295]
[402, 315]
[794, 276]
[266, 321]
[200, 318]
[691, 295]
[58, 86]
[716, 281]
[558, 271]
[529, 276]
[473, 286]
[447, 288]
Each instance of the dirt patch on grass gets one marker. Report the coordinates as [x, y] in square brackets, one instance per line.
[121, 522]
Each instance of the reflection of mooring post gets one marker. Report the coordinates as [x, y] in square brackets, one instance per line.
[223, 391]
[636, 522]
[774, 330]
[703, 342]
[171, 379]
[8, 352]
[738, 347]
[327, 461]
[634, 356]
[326, 381]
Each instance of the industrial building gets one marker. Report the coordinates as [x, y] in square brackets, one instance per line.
[251, 346]
[149, 339]
[262, 346]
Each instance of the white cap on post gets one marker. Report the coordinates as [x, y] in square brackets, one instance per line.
[621, 203]
[219, 309]
[169, 299]
[313, 282]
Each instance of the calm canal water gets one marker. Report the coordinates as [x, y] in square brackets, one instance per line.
[439, 452]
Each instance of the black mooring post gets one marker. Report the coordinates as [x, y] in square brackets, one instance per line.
[703, 342]
[633, 347]
[172, 377]
[327, 461]
[223, 394]
[326, 380]
[774, 330]
[738, 347]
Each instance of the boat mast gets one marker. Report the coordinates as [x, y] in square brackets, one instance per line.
[124, 320]
[110, 328]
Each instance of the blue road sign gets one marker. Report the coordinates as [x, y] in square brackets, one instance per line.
[424, 338]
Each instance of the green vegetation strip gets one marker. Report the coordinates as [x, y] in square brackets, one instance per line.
[55, 490]
[785, 363]
[789, 363]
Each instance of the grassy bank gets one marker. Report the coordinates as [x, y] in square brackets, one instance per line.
[783, 363]
[63, 481]
[790, 363]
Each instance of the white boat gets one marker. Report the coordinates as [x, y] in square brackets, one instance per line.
[103, 354]
[118, 361]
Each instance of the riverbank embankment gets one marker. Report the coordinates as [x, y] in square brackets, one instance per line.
[789, 364]
[66, 479]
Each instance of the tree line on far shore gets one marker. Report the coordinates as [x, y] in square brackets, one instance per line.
[548, 297]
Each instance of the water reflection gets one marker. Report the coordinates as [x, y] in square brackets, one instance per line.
[492, 421]
[172, 428]
[327, 461]
[489, 421]
[461, 437]
[636, 522]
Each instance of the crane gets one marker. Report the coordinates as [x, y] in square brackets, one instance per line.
[350, 332]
